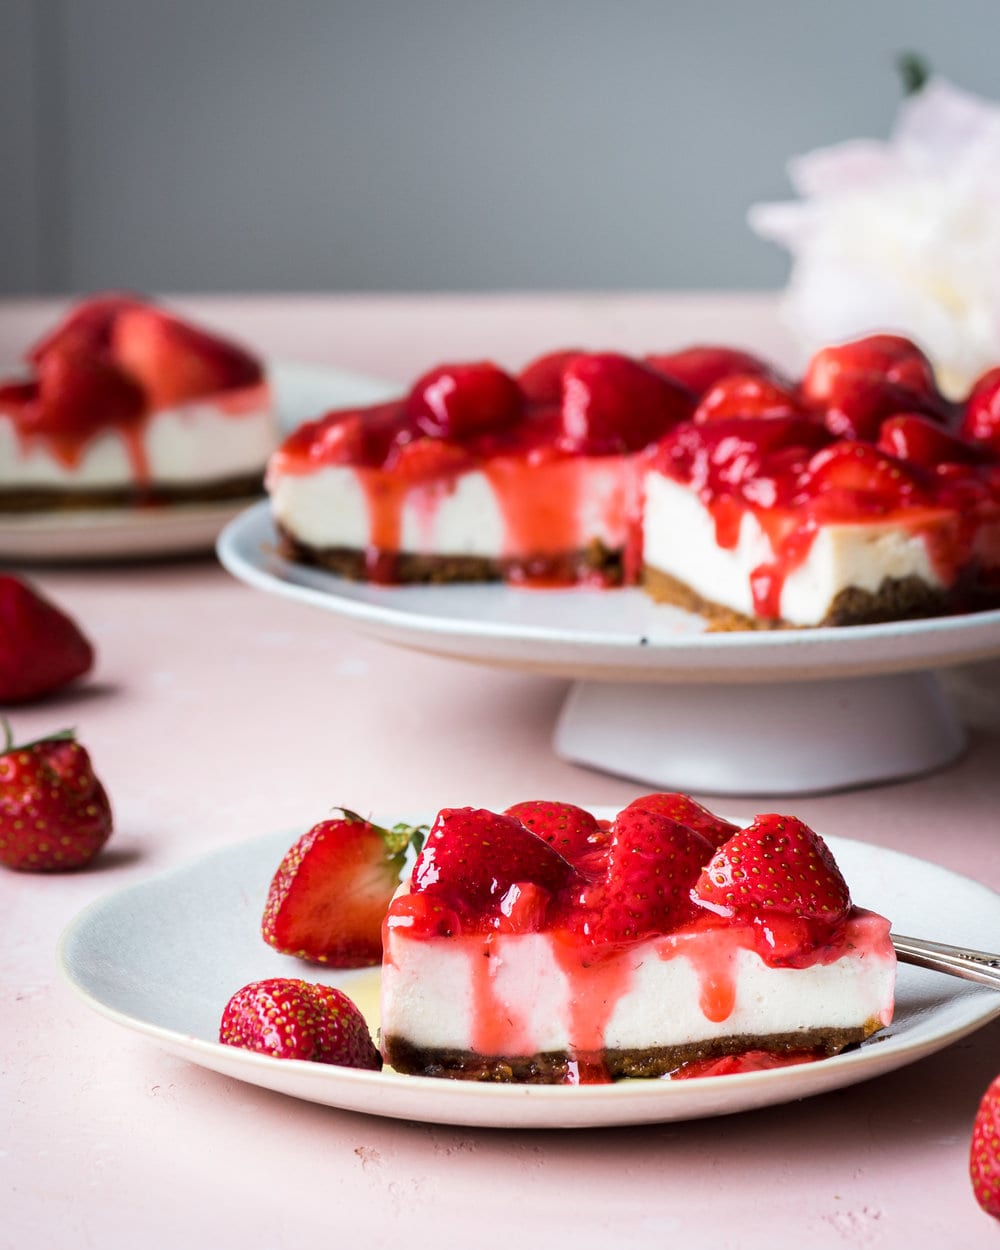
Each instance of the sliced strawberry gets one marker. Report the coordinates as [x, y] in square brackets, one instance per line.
[331, 891]
[41, 648]
[981, 418]
[473, 857]
[292, 1019]
[16, 394]
[87, 327]
[613, 404]
[461, 400]
[776, 865]
[700, 367]
[984, 1151]
[176, 362]
[850, 479]
[653, 863]
[541, 380]
[912, 437]
[685, 811]
[746, 395]
[54, 813]
[575, 833]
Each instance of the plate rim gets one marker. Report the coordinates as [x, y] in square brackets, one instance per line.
[620, 1104]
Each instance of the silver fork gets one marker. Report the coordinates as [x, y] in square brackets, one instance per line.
[957, 961]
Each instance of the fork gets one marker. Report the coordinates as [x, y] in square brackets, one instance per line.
[956, 961]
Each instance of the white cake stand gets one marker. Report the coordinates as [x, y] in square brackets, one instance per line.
[655, 697]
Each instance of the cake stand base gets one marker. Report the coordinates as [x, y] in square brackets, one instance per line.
[794, 737]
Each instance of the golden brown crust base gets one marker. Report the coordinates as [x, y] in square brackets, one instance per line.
[896, 600]
[409, 568]
[23, 500]
[558, 1068]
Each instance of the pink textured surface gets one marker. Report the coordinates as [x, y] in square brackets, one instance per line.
[217, 713]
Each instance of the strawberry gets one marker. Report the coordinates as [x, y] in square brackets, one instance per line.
[613, 404]
[653, 862]
[474, 858]
[699, 368]
[86, 328]
[575, 833]
[427, 459]
[292, 1019]
[981, 418]
[460, 401]
[175, 362]
[850, 478]
[886, 358]
[41, 648]
[79, 394]
[330, 893]
[745, 395]
[54, 813]
[775, 865]
[984, 1152]
[912, 437]
[541, 380]
[683, 809]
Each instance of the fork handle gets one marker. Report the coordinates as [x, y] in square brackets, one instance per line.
[956, 961]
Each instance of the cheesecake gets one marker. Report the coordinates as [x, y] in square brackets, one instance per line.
[851, 495]
[124, 403]
[541, 945]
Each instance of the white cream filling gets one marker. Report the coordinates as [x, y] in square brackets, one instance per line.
[459, 515]
[429, 996]
[679, 539]
[193, 443]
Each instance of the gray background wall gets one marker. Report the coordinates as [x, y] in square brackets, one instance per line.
[198, 145]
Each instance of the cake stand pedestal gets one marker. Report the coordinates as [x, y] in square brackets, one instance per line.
[774, 738]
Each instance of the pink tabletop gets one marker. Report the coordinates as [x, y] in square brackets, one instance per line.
[218, 714]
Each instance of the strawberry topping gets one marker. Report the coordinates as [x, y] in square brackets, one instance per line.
[612, 404]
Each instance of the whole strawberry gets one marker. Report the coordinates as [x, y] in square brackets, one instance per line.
[41, 648]
[576, 834]
[984, 1153]
[54, 813]
[331, 891]
[293, 1019]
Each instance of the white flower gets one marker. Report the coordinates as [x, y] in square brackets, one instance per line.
[901, 236]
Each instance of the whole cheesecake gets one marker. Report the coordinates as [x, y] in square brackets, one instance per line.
[854, 494]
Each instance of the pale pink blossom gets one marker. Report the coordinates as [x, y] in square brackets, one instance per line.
[901, 235]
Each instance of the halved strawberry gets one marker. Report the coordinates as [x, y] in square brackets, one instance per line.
[851, 478]
[746, 395]
[912, 437]
[890, 358]
[330, 893]
[981, 417]
[683, 809]
[176, 362]
[984, 1151]
[653, 862]
[574, 832]
[87, 327]
[41, 648]
[701, 366]
[777, 865]
[474, 858]
[288, 1018]
[541, 379]
[613, 404]
[461, 400]
[79, 394]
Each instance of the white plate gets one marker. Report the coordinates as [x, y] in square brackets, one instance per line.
[610, 635]
[301, 393]
[164, 956]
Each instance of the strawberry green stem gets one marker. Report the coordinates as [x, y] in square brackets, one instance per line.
[60, 735]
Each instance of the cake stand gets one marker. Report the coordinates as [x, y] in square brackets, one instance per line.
[656, 698]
